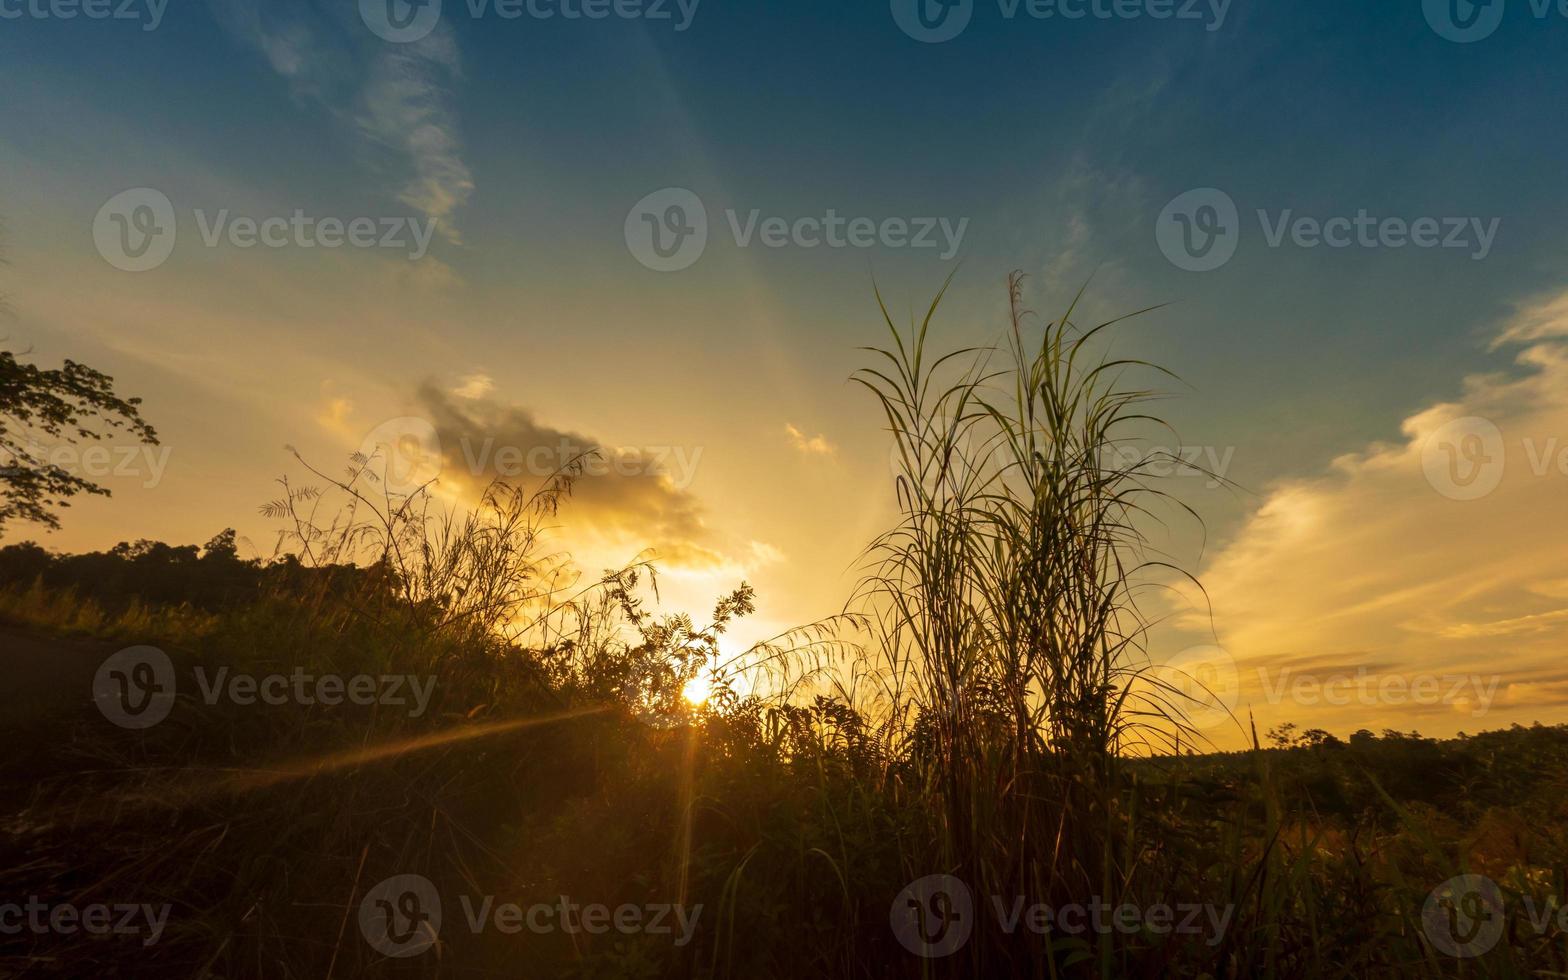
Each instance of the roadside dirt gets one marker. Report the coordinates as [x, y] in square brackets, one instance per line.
[43, 678]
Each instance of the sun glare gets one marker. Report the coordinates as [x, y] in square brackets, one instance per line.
[697, 690]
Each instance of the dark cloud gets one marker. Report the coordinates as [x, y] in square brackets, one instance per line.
[636, 495]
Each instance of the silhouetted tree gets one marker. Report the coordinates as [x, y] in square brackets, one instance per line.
[70, 404]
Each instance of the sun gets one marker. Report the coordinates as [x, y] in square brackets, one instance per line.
[697, 690]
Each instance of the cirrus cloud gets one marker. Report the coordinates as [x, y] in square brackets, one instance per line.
[396, 96]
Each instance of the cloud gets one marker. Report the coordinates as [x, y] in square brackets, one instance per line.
[474, 386]
[816, 445]
[637, 497]
[334, 415]
[406, 107]
[397, 96]
[762, 553]
[1089, 204]
[1551, 621]
[1440, 552]
[1541, 320]
[1537, 695]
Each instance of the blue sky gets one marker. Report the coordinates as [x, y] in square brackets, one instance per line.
[1057, 143]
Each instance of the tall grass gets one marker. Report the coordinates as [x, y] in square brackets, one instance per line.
[1010, 632]
[1011, 659]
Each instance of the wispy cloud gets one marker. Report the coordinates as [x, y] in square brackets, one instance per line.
[1543, 319]
[1086, 209]
[398, 97]
[406, 107]
[816, 445]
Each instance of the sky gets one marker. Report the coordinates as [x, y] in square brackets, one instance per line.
[658, 227]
